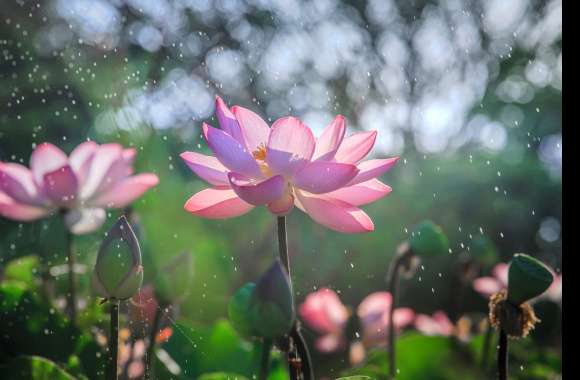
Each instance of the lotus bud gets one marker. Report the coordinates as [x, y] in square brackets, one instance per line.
[118, 272]
[428, 239]
[239, 311]
[272, 310]
[527, 278]
[264, 309]
[483, 250]
[174, 279]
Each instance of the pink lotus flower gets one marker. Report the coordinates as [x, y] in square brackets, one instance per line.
[487, 286]
[92, 178]
[323, 312]
[373, 312]
[438, 324]
[286, 166]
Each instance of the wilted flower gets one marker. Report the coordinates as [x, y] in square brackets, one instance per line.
[118, 273]
[373, 313]
[286, 166]
[323, 312]
[92, 178]
[487, 286]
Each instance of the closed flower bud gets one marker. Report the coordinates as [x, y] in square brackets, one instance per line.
[272, 306]
[118, 272]
[264, 309]
[428, 239]
[174, 279]
[239, 311]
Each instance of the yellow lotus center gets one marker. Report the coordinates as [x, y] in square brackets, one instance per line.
[260, 153]
[260, 156]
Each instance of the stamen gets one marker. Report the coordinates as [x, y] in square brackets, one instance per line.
[260, 153]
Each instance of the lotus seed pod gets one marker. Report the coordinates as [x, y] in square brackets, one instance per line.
[527, 278]
[118, 272]
[428, 239]
[174, 279]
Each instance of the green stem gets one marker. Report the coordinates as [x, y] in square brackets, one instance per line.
[299, 361]
[265, 360]
[502, 356]
[403, 253]
[485, 349]
[113, 342]
[149, 362]
[71, 304]
[283, 245]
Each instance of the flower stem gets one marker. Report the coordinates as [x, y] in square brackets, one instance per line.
[71, 304]
[283, 245]
[403, 253]
[113, 341]
[502, 356]
[149, 362]
[265, 360]
[300, 364]
[485, 350]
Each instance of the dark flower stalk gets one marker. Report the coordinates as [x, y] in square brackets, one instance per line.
[149, 362]
[265, 359]
[403, 254]
[300, 363]
[113, 342]
[71, 299]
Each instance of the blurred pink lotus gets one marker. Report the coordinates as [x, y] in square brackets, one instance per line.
[437, 324]
[487, 286]
[93, 177]
[554, 292]
[324, 312]
[286, 166]
[373, 312]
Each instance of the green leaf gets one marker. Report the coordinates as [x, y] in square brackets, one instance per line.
[222, 376]
[34, 368]
[31, 327]
[355, 378]
[527, 278]
[23, 269]
[418, 355]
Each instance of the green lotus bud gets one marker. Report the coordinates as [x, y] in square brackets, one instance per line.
[527, 278]
[483, 250]
[428, 239]
[118, 273]
[272, 309]
[264, 309]
[174, 279]
[239, 310]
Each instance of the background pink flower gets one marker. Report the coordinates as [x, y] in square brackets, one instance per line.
[437, 324]
[373, 313]
[487, 286]
[324, 312]
[93, 177]
[286, 166]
